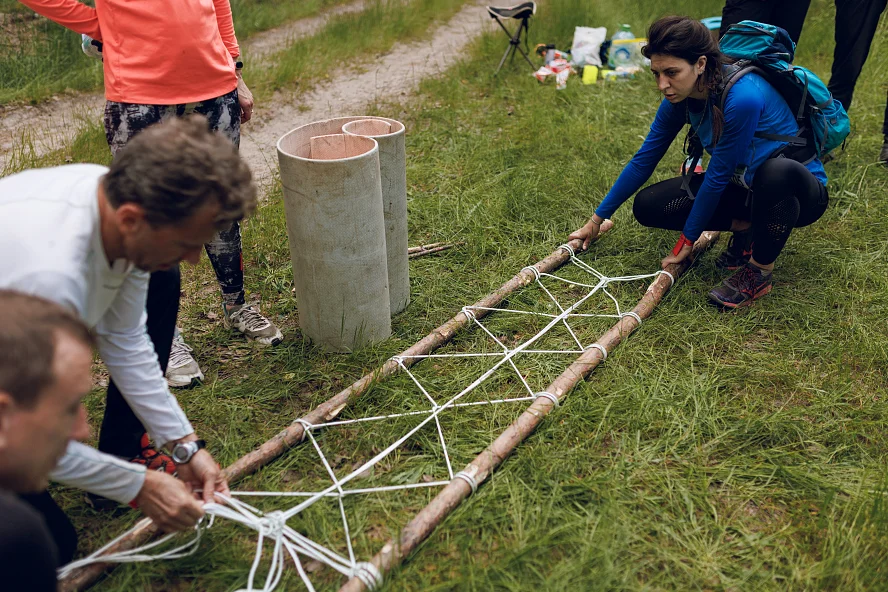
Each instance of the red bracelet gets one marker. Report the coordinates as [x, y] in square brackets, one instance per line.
[682, 241]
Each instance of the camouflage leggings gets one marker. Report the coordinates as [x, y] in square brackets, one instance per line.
[124, 120]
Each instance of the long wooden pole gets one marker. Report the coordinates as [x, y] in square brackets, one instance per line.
[477, 471]
[251, 462]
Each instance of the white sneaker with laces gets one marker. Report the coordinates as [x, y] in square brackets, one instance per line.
[182, 369]
[248, 320]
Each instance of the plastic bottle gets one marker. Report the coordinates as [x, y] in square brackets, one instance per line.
[621, 55]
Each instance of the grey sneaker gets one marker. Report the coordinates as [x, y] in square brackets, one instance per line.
[248, 320]
[182, 369]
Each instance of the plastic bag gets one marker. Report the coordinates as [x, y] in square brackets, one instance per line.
[586, 45]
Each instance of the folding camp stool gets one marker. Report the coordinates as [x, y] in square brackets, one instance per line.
[521, 12]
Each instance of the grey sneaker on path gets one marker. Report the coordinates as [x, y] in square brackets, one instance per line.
[182, 369]
[248, 320]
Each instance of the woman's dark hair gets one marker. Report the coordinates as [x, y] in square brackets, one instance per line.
[688, 39]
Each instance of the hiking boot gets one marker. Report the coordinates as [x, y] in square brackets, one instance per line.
[150, 458]
[153, 459]
[883, 155]
[248, 320]
[182, 369]
[742, 287]
[738, 251]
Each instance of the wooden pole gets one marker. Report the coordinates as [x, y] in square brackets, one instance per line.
[425, 522]
[415, 252]
[251, 462]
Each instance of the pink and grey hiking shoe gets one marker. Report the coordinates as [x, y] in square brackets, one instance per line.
[743, 287]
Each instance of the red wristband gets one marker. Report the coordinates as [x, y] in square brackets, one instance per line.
[682, 241]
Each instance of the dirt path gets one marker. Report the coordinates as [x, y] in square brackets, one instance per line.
[393, 77]
[41, 128]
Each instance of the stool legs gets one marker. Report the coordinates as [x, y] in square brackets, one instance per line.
[514, 44]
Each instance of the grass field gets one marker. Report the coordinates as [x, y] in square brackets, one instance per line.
[712, 451]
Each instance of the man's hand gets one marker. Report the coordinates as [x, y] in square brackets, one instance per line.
[245, 99]
[683, 254]
[589, 232]
[202, 472]
[168, 502]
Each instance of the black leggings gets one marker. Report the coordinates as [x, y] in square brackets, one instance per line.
[785, 195]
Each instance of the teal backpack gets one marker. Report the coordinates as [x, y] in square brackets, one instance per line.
[768, 51]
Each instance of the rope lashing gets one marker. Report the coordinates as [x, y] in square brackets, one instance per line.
[669, 275]
[306, 426]
[277, 541]
[631, 314]
[600, 348]
[545, 395]
[468, 479]
[368, 574]
[534, 271]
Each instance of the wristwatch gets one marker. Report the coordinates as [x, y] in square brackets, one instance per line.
[184, 451]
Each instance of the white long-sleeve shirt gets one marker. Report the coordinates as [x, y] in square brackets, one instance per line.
[51, 246]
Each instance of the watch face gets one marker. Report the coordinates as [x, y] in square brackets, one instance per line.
[180, 453]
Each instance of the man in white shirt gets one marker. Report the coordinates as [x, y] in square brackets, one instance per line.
[87, 237]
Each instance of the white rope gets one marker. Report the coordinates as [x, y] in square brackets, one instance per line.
[600, 348]
[547, 395]
[468, 479]
[277, 542]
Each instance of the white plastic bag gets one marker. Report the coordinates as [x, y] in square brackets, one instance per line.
[586, 45]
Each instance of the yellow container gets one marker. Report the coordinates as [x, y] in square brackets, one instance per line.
[590, 74]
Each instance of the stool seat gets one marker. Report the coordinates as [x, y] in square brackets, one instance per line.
[519, 11]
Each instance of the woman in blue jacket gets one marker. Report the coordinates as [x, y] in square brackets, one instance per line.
[749, 187]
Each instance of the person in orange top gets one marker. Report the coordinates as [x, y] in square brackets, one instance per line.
[162, 59]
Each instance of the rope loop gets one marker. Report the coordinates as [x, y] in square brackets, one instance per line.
[369, 575]
[469, 312]
[397, 360]
[306, 426]
[534, 271]
[600, 348]
[569, 249]
[468, 479]
[669, 275]
[631, 314]
[546, 395]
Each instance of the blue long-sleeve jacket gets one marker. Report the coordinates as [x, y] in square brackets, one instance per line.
[752, 105]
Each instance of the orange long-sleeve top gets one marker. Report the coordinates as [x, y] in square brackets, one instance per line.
[156, 52]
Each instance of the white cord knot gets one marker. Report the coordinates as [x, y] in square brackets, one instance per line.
[306, 426]
[569, 249]
[533, 270]
[631, 314]
[545, 395]
[397, 360]
[368, 574]
[671, 277]
[600, 348]
[272, 524]
[468, 479]
[469, 312]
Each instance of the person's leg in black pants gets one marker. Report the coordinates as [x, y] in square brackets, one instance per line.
[666, 205]
[856, 23]
[786, 14]
[122, 431]
[63, 533]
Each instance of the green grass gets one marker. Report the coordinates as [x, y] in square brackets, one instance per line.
[43, 58]
[712, 451]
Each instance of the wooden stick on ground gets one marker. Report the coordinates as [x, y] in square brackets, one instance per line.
[330, 409]
[477, 471]
[414, 252]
